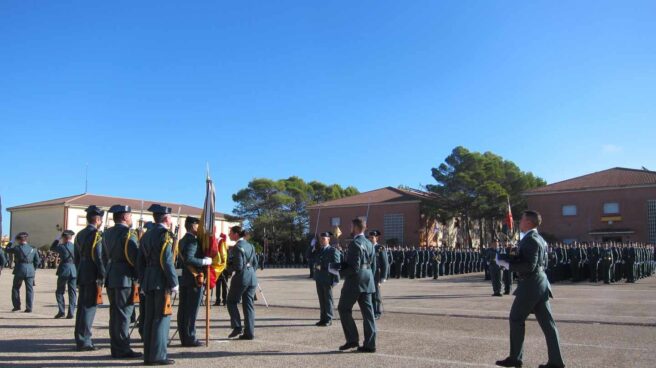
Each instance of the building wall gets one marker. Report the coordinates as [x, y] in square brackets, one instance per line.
[409, 210]
[632, 210]
[41, 223]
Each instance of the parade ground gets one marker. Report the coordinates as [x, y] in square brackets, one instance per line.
[452, 322]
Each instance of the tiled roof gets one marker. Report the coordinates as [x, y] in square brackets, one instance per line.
[617, 177]
[378, 196]
[102, 201]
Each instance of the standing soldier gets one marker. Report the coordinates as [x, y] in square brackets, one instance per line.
[436, 259]
[243, 263]
[3, 258]
[358, 271]
[493, 267]
[380, 274]
[158, 280]
[324, 279]
[66, 273]
[191, 286]
[91, 272]
[607, 264]
[399, 259]
[120, 250]
[27, 260]
[507, 274]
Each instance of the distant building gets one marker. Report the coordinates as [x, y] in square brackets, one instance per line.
[397, 213]
[47, 219]
[617, 204]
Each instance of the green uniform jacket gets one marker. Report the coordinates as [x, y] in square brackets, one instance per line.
[66, 253]
[26, 259]
[529, 264]
[88, 256]
[155, 260]
[324, 258]
[120, 250]
[360, 266]
[192, 255]
[382, 263]
[239, 258]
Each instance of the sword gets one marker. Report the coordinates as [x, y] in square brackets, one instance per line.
[263, 297]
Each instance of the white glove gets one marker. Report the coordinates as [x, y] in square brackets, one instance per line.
[175, 289]
[503, 264]
[207, 261]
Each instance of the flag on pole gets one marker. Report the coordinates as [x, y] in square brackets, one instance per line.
[509, 218]
[207, 232]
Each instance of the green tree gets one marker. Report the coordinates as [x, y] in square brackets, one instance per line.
[278, 208]
[477, 186]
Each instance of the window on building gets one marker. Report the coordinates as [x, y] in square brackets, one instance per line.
[393, 227]
[335, 221]
[81, 220]
[611, 208]
[569, 210]
[651, 220]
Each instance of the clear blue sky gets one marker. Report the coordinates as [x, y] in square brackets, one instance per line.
[147, 92]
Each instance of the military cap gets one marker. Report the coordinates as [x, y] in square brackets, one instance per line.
[119, 208]
[326, 234]
[159, 209]
[191, 220]
[22, 234]
[374, 233]
[94, 210]
[68, 233]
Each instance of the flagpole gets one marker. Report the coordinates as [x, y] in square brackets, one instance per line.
[208, 238]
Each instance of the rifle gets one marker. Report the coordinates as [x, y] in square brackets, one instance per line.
[141, 222]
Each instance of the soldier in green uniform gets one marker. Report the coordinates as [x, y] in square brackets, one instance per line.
[158, 279]
[380, 275]
[26, 259]
[120, 251]
[491, 255]
[358, 272]
[3, 258]
[324, 279]
[66, 273]
[242, 261]
[190, 291]
[90, 272]
[607, 262]
[532, 294]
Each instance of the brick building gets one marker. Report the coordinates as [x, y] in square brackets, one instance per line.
[397, 213]
[617, 204]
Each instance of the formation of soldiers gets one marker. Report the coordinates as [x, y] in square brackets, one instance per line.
[136, 268]
[601, 262]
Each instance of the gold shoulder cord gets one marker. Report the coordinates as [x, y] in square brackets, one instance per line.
[167, 240]
[125, 248]
[93, 246]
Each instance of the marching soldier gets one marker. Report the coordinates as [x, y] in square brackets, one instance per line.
[243, 262]
[66, 273]
[91, 272]
[358, 271]
[191, 286]
[532, 294]
[324, 279]
[158, 280]
[380, 274]
[26, 259]
[120, 250]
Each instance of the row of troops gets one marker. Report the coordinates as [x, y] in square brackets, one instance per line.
[47, 259]
[608, 262]
[415, 263]
[136, 269]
